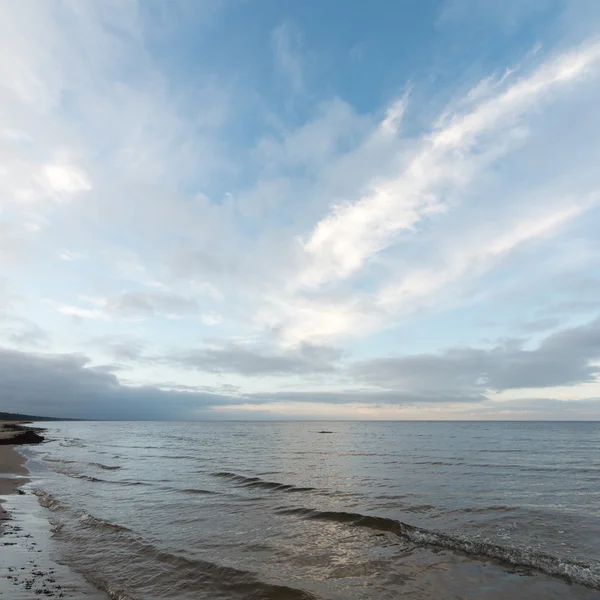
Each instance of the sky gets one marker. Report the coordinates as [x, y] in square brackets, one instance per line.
[267, 209]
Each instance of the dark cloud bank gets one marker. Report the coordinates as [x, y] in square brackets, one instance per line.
[68, 386]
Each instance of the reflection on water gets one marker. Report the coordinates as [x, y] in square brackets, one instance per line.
[372, 510]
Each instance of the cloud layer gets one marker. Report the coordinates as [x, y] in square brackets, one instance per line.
[296, 218]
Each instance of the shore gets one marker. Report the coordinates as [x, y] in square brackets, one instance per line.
[13, 473]
[27, 566]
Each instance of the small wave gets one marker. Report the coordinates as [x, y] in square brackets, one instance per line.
[84, 477]
[572, 571]
[93, 479]
[486, 509]
[92, 521]
[178, 573]
[257, 482]
[49, 501]
[439, 463]
[197, 491]
[58, 460]
[89, 478]
[55, 505]
[105, 467]
[420, 508]
[72, 442]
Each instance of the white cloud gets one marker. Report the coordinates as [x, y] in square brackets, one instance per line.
[69, 256]
[211, 318]
[415, 194]
[83, 313]
[66, 178]
[447, 161]
[469, 261]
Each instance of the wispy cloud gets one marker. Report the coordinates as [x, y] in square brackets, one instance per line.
[287, 51]
[447, 160]
[433, 175]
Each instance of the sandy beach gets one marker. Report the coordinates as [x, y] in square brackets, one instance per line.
[12, 470]
[27, 568]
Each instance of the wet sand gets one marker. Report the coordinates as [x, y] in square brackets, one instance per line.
[27, 570]
[12, 464]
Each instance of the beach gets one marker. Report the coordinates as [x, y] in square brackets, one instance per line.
[13, 473]
[27, 567]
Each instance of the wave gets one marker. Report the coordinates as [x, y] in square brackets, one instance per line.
[180, 575]
[438, 463]
[257, 482]
[49, 501]
[85, 477]
[52, 503]
[101, 523]
[485, 509]
[105, 467]
[196, 491]
[569, 570]
[93, 479]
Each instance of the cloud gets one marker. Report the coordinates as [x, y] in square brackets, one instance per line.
[431, 214]
[334, 127]
[368, 397]
[23, 333]
[68, 386]
[64, 178]
[142, 304]
[121, 348]
[286, 47]
[470, 261]
[211, 318]
[565, 358]
[446, 161]
[542, 324]
[139, 187]
[586, 409]
[70, 256]
[138, 305]
[253, 361]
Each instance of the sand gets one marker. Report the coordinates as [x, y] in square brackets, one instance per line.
[12, 464]
[27, 566]
[27, 570]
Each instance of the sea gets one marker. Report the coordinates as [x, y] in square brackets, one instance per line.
[324, 510]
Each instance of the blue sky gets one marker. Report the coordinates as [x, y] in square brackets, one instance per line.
[261, 209]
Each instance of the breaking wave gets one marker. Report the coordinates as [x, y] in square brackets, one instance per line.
[572, 571]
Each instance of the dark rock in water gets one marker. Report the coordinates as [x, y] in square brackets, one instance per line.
[324, 431]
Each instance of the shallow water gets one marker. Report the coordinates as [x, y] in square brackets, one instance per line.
[283, 510]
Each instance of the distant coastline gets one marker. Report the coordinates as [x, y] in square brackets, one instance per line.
[7, 416]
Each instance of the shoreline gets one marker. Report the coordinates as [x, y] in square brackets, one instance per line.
[28, 569]
[13, 472]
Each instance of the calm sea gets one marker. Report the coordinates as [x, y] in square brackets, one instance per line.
[301, 510]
